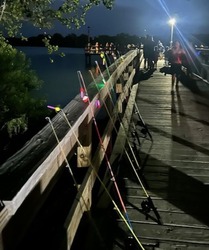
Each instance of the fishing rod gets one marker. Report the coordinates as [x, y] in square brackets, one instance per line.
[105, 154]
[146, 130]
[104, 62]
[148, 204]
[57, 109]
[61, 149]
[120, 120]
[134, 134]
[144, 124]
[100, 72]
[115, 129]
[107, 110]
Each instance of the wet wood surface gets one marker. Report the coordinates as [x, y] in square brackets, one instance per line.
[174, 167]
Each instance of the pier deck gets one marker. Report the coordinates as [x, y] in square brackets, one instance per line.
[175, 166]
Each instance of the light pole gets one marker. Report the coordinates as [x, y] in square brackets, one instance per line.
[88, 34]
[172, 22]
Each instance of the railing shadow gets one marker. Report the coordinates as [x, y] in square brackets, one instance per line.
[194, 85]
[192, 194]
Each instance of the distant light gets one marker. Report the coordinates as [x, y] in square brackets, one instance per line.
[97, 104]
[82, 92]
[172, 21]
[100, 85]
[55, 108]
[85, 99]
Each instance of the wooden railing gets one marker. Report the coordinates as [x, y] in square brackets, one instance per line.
[35, 169]
[200, 68]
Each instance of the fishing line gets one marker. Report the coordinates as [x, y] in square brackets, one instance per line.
[100, 72]
[140, 117]
[104, 62]
[127, 142]
[120, 120]
[109, 115]
[57, 109]
[138, 113]
[105, 154]
[96, 174]
[148, 204]
[61, 149]
[144, 124]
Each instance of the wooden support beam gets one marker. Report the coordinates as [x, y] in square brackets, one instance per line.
[118, 88]
[85, 138]
[122, 134]
[125, 76]
[130, 68]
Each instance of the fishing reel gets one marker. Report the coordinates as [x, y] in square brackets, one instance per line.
[146, 206]
[144, 131]
[1, 205]
[131, 244]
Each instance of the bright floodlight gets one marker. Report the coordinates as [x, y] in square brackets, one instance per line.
[172, 21]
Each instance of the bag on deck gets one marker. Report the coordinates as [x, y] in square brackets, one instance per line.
[166, 70]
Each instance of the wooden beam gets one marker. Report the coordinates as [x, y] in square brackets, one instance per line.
[84, 151]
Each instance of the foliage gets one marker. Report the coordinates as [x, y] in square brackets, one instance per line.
[43, 13]
[18, 108]
[17, 81]
[74, 41]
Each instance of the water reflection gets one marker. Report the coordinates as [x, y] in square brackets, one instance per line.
[60, 78]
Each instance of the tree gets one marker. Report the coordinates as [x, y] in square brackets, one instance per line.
[19, 111]
[43, 13]
[17, 107]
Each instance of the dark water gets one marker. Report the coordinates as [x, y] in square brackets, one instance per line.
[60, 78]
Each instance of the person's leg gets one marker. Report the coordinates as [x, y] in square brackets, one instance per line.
[173, 77]
[145, 62]
[148, 60]
[178, 74]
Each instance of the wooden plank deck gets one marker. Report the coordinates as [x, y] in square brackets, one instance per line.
[174, 169]
[175, 166]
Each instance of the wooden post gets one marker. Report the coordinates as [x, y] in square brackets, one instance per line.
[130, 68]
[125, 76]
[85, 138]
[118, 88]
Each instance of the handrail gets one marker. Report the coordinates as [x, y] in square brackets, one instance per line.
[51, 158]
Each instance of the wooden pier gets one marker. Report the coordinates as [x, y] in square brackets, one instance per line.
[109, 51]
[44, 210]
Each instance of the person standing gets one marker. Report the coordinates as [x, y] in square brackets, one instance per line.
[176, 56]
[161, 49]
[148, 52]
[151, 54]
[156, 56]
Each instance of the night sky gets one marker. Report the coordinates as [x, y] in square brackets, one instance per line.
[140, 17]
